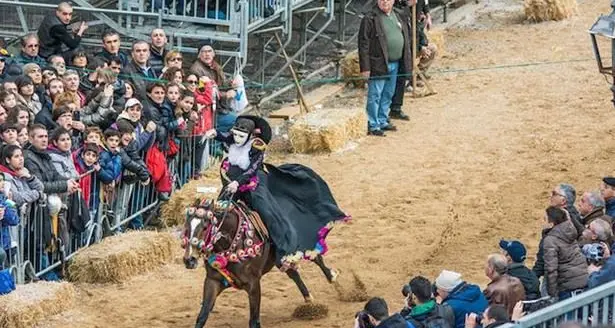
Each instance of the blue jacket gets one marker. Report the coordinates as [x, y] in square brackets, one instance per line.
[465, 299]
[610, 207]
[395, 321]
[11, 218]
[110, 166]
[604, 275]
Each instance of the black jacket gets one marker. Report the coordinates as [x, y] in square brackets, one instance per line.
[373, 56]
[52, 34]
[139, 78]
[528, 279]
[539, 265]
[134, 166]
[394, 321]
[39, 164]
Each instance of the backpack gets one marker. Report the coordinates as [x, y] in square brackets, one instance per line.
[78, 214]
[434, 320]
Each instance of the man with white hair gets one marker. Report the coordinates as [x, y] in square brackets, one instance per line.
[598, 231]
[462, 297]
[591, 207]
[503, 289]
[563, 196]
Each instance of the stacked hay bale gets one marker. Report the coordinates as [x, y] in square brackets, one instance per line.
[546, 10]
[351, 72]
[118, 258]
[327, 129]
[32, 303]
[174, 211]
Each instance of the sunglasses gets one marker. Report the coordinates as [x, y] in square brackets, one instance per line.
[192, 81]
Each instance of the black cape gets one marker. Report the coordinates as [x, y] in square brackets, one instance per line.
[298, 208]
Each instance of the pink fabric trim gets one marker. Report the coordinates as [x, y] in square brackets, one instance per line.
[250, 186]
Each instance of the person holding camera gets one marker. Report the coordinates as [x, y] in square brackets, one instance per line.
[421, 310]
[462, 297]
[375, 314]
[494, 315]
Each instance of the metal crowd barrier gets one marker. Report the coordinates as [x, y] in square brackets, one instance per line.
[35, 253]
[594, 307]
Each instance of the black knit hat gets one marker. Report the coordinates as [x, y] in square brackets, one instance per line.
[609, 181]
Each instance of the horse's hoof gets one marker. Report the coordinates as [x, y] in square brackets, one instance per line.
[334, 275]
[309, 299]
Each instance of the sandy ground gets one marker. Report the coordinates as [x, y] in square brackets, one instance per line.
[474, 165]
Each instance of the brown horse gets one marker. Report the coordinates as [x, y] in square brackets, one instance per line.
[237, 254]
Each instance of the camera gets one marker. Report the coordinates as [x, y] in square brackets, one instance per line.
[364, 320]
[406, 290]
[434, 290]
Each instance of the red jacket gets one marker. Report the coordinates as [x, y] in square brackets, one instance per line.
[85, 183]
[205, 99]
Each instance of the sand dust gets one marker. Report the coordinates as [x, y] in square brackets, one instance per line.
[474, 165]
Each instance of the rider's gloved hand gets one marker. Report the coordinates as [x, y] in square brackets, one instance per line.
[232, 187]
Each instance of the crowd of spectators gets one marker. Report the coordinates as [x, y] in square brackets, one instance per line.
[574, 255]
[82, 130]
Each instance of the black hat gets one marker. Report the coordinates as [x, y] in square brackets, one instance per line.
[244, 124]
[609, 181]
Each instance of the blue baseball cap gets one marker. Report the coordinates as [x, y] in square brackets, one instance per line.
[515, 250]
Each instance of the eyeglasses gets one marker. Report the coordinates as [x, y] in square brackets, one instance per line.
[176, 59]
[555, 193]
[192, 81]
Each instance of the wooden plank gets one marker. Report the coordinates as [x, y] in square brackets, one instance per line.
[313, 98]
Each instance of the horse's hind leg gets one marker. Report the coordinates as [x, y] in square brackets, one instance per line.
[329, 273]
[211, 289]
[254, 293]
[294, 275]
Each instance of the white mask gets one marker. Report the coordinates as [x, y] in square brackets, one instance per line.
[240, 137]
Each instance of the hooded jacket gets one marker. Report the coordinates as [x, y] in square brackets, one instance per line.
[99, 112]
[63, 163]
[24, 190]
[394, 321]
[528, 278]
[421, 312]
[85, 182]
[39, 164]
[465, 299]
[565, 265]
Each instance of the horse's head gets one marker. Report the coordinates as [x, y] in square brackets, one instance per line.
[199, 218]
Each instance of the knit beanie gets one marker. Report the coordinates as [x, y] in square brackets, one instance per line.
[448, 280]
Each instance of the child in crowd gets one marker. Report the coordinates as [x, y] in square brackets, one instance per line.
[86, 161]
[8, 218]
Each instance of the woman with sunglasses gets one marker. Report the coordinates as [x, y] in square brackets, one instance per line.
[173, 58]
[192, 81]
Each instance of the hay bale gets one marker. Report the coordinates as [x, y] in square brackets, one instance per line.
[311, 311]
[327, 129]
[121, 257]
[546, 10]
[436, 36]
[32, 303]
[351, 72]
[173, 212]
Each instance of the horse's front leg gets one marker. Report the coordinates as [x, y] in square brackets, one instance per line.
[330, 274]
[294, 275]
[211, 289]
[254, 293]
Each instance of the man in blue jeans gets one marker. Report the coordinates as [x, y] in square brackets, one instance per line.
[383, 51]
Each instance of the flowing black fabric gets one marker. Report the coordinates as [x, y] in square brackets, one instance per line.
[295, 203]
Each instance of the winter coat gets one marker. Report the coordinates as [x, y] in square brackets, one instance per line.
[394, 321]
[106, 56]
[373, 56]
[156, 59]
[110, 166]
[24, 191]
[45, 118]
[139, 77]
[39, 164]
[34, 105]
[85, 182]
[506, 291]
[421, 312]
[99, 112]
[63, 163]
[142, 140]
[10, 218]
[528, 278]
[594, 215]
[214, 73]
[565, 265]
[610, 207]
[205, 99]
[155, 113]
[576, 219]
[604, 275]
[539, 265]
[134, 166]
[465, 299]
